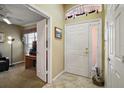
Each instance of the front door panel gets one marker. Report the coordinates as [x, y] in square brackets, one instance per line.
[77, 49]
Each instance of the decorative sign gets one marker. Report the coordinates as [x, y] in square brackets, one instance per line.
[83, 9]
[1, 37]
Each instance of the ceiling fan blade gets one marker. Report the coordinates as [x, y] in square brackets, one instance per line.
[4, 10]
[7, 20]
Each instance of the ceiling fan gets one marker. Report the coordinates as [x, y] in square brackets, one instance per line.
[6, 15]
[5, 19]
[3, 12]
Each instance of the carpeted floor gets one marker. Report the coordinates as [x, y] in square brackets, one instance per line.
[19, 77]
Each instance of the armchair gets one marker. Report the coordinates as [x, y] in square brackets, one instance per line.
[4, 63]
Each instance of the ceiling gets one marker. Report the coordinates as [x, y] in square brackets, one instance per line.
[19, 14]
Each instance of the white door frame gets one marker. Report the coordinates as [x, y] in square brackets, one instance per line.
[49, 20]
[81, 22]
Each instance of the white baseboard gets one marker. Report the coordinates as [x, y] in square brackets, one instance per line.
[18, 62]
[58, 75]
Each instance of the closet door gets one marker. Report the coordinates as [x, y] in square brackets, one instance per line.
[116, 47]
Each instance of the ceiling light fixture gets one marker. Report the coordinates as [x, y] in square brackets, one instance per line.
[7, 21]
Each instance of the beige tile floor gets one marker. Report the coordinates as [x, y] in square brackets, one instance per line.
[67, 80]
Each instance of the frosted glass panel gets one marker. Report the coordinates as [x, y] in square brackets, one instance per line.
[117, 36]
[94, 30]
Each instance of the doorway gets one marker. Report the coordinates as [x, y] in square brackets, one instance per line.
[44, 63]
[34, 33]
[83, 47]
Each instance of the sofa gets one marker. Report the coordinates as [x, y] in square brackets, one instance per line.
[4, 63]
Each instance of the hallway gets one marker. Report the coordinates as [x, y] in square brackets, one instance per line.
[67, 80]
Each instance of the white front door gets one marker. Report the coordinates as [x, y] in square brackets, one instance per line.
[115, 28]
[41, 50]
[76, 47]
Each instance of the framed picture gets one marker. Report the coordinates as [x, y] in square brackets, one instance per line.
[58, 33]
[1, 37]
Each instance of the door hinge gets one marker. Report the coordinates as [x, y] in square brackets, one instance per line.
[46, 72]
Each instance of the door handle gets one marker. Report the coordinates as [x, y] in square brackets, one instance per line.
[86, 51]
[123, 59]
[86, 48]
[109, 59]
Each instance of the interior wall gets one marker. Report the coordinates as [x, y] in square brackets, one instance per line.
[106, 46]
[56, 12]
[16, 32]
[68, 6]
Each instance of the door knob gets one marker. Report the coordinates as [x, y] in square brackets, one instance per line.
[123, 59]
[86, 51]
[86, 48]
[109, 59]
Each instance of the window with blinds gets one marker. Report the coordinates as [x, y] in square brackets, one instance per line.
[28, 39]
